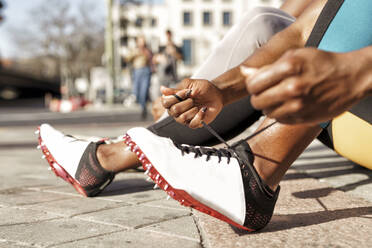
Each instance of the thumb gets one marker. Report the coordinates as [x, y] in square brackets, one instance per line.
[168, 91]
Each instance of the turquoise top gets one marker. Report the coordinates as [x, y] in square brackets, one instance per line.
[351, 29]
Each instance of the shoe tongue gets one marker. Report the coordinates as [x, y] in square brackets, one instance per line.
[244, 152]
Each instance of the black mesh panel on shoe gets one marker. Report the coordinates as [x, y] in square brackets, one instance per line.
[90, 174]
[260, 200]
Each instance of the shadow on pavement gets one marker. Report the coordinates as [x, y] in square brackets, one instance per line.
[283, 222]
[332, 169]
[289, 221]
[127, 186]
[22, 145]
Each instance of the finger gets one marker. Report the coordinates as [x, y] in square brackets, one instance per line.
[270, 75]
[186, 117]
[168, 91]
[170, 100]
[196, 122]
[284, 91]
[181, 107]
[248, 71]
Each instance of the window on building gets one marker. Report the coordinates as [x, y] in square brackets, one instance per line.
[187, 18]
[139, 22]
[207, 18]
[124, 41]
[124, 23]
[153, 22]
[227, 18]
[187, 51]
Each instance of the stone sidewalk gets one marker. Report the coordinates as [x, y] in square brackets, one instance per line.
[325, 201]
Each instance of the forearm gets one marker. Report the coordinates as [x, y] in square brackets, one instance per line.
[232, 83]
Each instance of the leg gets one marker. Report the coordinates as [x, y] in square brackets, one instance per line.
[278, 147]
[136, 83]
[144, 88]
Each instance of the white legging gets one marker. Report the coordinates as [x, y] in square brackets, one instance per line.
[252, 31]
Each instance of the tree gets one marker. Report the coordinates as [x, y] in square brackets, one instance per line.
[62, 41]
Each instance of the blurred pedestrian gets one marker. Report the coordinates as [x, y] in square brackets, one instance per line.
[166, 61]
[141, 60]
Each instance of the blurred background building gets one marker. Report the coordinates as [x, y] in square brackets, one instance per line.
[74, 51]
[197, 25]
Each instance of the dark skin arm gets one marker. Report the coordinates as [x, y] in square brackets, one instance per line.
[207, 99]
[311, 86]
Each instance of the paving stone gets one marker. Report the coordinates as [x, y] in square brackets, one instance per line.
[182, 227]
[54, 231]
[127, 187]
[138, 196]
[75, 206]
[164, 203]
[326, 165]
[134, 216]
[126, 183]
[21, 196]
[9, 244]
[133, 239]
[63, 189]
[30, 169]
[13, 216]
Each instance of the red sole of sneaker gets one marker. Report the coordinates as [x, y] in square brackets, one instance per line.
[58, 169]
[179, 195]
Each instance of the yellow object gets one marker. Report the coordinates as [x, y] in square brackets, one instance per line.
[352, 139]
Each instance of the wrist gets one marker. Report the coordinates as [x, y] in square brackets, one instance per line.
[364, 56]
[368, 76]
[220, 91]
[231, 85]
[359, 64]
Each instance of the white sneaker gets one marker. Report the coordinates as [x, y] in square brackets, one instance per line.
[220, 182]
[74, 160]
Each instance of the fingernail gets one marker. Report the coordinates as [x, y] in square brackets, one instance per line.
[188, 93]
[204, 109]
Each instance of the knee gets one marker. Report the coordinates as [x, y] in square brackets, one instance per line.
[266, 21]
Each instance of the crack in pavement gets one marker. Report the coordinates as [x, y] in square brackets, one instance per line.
[200, 229]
